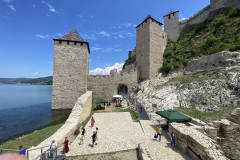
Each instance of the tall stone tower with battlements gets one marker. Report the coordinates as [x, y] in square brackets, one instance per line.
[171, 25]
[150, 45]
[70, 70]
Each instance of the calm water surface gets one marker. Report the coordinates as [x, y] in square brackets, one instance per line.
[23, 109]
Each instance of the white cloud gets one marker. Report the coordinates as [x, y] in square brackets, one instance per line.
[52, 9]
[90, 36]
[59, 35]
[104, 71]
[123, 25]
[12, 8]
[35, 73]
[95, 49]
[43, 36]
[181, 17]
[120, 35]
[103, 33]
[8, 1]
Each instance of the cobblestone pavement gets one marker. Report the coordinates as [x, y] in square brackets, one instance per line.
[118, 132]
[160, 150]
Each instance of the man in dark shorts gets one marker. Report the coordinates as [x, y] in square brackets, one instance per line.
[83, 135]
[94, 138]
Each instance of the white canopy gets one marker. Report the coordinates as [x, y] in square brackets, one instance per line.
[117, 96]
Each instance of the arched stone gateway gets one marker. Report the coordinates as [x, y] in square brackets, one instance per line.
[106, 86]
[122, 88]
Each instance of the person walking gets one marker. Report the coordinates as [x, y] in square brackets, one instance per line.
[173, 139]
[159, 132]
[136, 107]
[92, 122]
[53, 147]
[141, 108]
[66, 148]
[94, 138]
[83, 135]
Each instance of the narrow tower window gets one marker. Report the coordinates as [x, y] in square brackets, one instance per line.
[67, 42]
[81, 44]
[75, 43]
[60, 42]
[169, 16]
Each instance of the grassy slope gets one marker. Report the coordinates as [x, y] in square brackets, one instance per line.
[34, 138]
[212, 36]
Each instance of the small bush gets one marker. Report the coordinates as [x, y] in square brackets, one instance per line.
[185, 62]
[211, 39]
[200, 27]
[220, 22]
[166, 68]
[176, 66]
[234, 13]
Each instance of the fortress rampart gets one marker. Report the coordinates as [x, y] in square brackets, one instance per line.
[174, 27]
[105, 86]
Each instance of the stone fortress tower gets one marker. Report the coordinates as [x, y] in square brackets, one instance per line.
[171, 25]
[70, 70]
[150, 46]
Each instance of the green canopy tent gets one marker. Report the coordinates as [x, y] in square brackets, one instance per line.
[174, 116]
[101, 101]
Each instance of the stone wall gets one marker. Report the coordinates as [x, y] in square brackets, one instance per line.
[195, 143]
[79, 112]
[130, 67]
[199, 17]
[105, 86]
[70, 70]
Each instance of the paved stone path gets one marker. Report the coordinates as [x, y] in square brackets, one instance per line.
[160, 150]
[118, 132]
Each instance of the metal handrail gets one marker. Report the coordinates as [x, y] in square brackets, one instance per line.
[42, 156]
[12, 150]
[35, 149]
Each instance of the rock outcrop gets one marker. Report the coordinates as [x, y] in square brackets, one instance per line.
[207, 84]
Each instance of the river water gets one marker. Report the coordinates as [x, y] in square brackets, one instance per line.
[23, 109]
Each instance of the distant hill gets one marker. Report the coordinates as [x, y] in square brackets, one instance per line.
[6, 80]
[42, 80]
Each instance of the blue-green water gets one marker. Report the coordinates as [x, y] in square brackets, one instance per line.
[23, 109]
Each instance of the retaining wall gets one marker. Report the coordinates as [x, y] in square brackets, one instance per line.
[79, 112]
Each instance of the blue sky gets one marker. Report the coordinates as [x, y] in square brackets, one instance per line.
[27, 28]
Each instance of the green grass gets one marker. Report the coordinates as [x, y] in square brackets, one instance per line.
[206, 116]
[34, 138]
[134, 114]
[209, 37]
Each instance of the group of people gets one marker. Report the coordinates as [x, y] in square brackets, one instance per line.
[94, 136]
[159, 134]
[53, 147]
